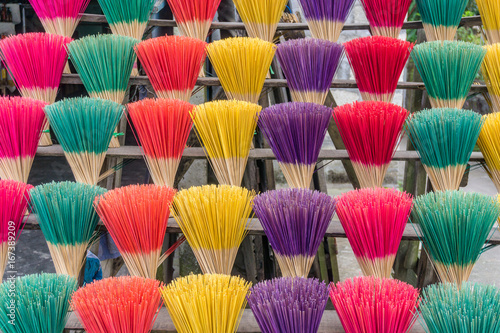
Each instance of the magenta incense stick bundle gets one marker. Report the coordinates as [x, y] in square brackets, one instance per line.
[374, 221]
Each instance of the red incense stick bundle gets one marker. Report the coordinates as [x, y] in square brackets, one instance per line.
[377, 63]
[162, 127]
[371, 132]
[172, 64]
[136, 217]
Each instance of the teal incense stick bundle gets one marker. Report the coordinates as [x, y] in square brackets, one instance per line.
[448, 70]
[127, 18]
[472, 308]
[441, 18]
[444, 139]
[84, 128]
[68, 221]
[104, 63]
[41, 303]
[454, 226]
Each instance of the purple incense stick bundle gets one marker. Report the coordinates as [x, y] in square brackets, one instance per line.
[295, 221]
[309, 66]
[288, 305]
[295, 131]
[326, 18]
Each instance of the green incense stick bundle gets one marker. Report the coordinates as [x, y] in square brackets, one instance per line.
[84, 127]
[127, 18]
[448, 70]
[444, 139]
[68, 221]
[104, 63]
[41, 303]
[441, 18]
[454, 226]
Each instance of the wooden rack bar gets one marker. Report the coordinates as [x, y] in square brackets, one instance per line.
[278, 83]
[134, 152]
[330, 323]
[95, 18]
[255, 228]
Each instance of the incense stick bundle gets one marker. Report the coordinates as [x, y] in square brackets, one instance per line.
[68, 222]
[490, 16]
[386, 17]
[295, 132]
[59, 17]
[37, 77]
[127, 18]
[444, 139]
[104, 63]
[448, 70]
[441, 17]
[241, 65]
[288, 304]
[206, 303]
[172, 64]
[377, 63]
[41, 303]
[454, 227]
[14, 197]
[309, 66]
[371, 132]
[122, 305]
[214, 220]
[489, 143]
[295, 221]
[491, 74]
[84, 127]
[226, 129]
[261, 17]
[136, 217]
[194, 17]
[21, 123]
[368, 304]
[162, 128]
[326, 18]
[471, 308]
[374, 220]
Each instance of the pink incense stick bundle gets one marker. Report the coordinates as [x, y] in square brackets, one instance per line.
[59, 17]
[377, 63]
[172, 64]
[371, 305]
[374, 221]
[119, 305]
[21, 123]
[13, 203]
[36, 62]
[371, 132]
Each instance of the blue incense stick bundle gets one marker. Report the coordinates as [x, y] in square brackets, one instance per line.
[326, 18]
[295, 131]
[309, 66]
[288, 305]
[295, 221]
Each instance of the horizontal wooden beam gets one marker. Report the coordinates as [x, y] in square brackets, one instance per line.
[330, 323]
[135, 152]
[270, 83]
[95, 18]
[335, 229]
